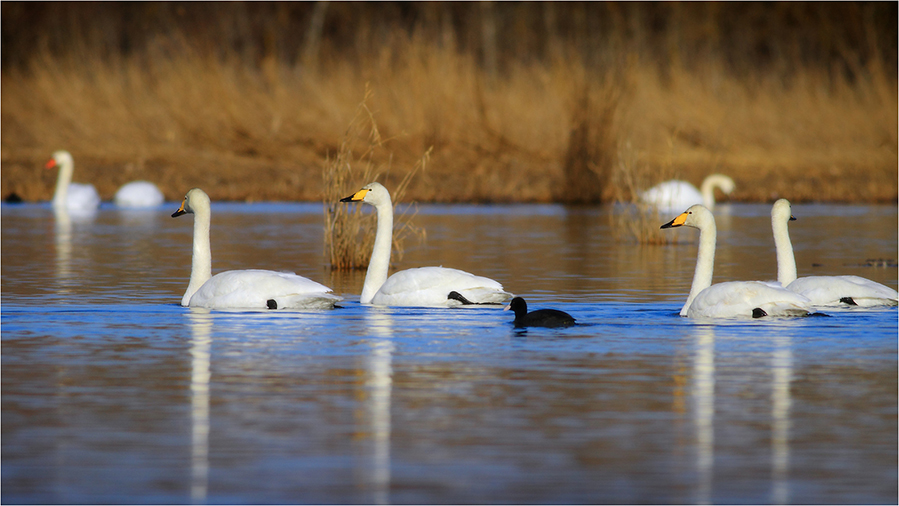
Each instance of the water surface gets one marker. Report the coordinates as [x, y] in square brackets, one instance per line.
[112, 392]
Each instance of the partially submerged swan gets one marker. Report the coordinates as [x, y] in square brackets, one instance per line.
[68, 195]
[538, 318]
[731, 298]
[674, 195]
[822, 290]
[138, 194]
[423, 286]
[242, 289]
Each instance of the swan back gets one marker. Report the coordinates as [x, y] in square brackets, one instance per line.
[137, 194]
[672, 196]
[430, 286]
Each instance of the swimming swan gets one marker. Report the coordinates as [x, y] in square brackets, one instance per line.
[69, 195]
[423, 286]
[538, 318]
[138, 194]
[822, 290]
[731, 298]
[674, 195]
[245, 289]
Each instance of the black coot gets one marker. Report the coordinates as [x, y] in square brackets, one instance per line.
[540, 317]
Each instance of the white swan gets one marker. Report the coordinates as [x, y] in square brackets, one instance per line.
[423, 286]
[731, 298]
[69, 195]
[822, 290]
[138, 194]
[244, 289]
[674, 195]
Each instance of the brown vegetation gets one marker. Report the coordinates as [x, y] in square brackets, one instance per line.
[518, 101]
[349, 230]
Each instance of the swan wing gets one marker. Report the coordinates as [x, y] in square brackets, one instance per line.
[253, 289]
[739, 299]
[429, 286]
[81, 197]
[832, 290]
[138, 194]
[672, 196]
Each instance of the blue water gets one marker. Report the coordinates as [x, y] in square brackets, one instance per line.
[113, 393]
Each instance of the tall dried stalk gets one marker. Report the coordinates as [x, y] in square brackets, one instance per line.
[350, 230]
[633, 217]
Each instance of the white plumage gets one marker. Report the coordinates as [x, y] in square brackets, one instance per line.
[822, 290]
[674, 195]
[138, 194]
[732, 298]
[68, 195]
[423, 286]
[242, 289]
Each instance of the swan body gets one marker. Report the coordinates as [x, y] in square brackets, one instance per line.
[538, 318]
[733, 298]
[423, 286]
[68, 195]
[242, 289]
[674, 195]
[138, 194]
[822, 290]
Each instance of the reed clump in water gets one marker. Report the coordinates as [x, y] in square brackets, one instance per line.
[349, 228]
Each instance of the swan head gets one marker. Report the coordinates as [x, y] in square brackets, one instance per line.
[726, 184]
[373, 193]
[697, 216]
[194, 200]
[60, 158]
[782, 212]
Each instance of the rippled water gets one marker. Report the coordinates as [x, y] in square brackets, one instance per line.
[113, 393]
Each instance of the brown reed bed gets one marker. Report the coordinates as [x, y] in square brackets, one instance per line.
[256, 104]
[350, 229]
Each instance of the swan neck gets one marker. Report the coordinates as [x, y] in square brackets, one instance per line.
[707, 189]
[379, 263]
[201, 261]
[705, 264]
[786, 262]
[63, 179]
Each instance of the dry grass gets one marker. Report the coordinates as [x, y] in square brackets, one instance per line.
[349, 230]
[184, 111]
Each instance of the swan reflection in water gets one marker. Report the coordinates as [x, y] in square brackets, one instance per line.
[703, 393]
[64, 222]
[374, 474]
[201, 343]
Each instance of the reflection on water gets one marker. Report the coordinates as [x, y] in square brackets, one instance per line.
[782, 375]
[704, 415]
[376, 394]
[201, 342]
[112, 392]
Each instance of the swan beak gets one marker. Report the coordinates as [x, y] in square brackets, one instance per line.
[792, 218]
[356, 197]
[180, 210]
[507, 307]
[50, 163]
[676, 222]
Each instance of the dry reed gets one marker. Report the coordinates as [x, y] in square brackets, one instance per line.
[349, 229]
[250, 106]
